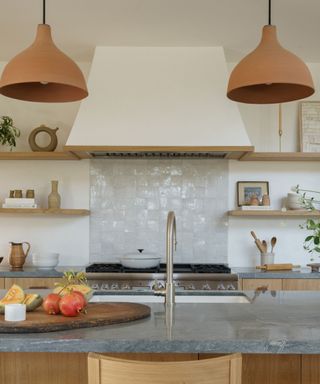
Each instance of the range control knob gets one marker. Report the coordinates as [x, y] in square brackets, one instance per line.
[156, 284]
[115, 286]
[190, 287]
[125, 286]
[230, 287]
[206, 287]
[221, 287]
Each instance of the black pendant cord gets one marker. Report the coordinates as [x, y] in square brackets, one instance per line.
[269, 13]
[44, 12]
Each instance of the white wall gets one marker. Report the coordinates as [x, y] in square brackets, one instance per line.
[28, 115]
[67, 235]
[281, 176]
[262, 126]
[262, 121]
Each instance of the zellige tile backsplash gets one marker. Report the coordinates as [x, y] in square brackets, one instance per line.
[130, 200]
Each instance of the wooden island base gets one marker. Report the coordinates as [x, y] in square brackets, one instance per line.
[61, 368]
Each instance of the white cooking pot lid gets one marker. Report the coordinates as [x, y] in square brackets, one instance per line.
[141, 254]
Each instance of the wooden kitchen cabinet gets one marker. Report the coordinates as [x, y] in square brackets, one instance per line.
[40, 368]
[1, 283]
[31, 282]
[253, 284]
[301, 284]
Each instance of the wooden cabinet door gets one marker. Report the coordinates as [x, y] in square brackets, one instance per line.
[271, 369]
[268, 368]
[310, 373]
[1, 282]
[42, 367]
[253, 284]
[31, 282]
[301, 284]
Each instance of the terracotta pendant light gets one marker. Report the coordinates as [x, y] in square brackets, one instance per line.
[43, 73]
[270, 73]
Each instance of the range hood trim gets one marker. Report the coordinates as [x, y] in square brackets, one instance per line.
[231, 152]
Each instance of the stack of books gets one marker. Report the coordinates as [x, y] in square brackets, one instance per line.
[11, 202]
[255, 207]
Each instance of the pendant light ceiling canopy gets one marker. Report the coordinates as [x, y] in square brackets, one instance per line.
[270, 74]
[43, 73]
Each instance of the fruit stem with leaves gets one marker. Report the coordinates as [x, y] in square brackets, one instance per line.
[70, 278]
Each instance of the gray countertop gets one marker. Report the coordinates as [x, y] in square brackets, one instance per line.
[275, 322]
[30, 271]
[253, 273]
[243, 273]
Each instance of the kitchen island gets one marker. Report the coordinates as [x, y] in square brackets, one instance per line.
[278, 333]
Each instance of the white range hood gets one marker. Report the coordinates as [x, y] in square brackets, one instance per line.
[158, 101]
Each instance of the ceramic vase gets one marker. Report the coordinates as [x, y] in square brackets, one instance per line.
[54, 199]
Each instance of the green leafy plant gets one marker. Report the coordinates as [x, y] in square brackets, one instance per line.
[8, 132]
[311, 242]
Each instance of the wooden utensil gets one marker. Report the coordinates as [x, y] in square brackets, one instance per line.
[273, 243]
[277, 267]
[265, 245]
[258, 242]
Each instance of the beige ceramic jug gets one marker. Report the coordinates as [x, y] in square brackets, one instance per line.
[18, 256]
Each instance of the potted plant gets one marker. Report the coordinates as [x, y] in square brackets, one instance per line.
[8, 132]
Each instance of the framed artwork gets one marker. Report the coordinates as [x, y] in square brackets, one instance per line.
[246, 189]
[309, 126]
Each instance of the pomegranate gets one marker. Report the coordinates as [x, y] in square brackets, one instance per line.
[81, 297]
[70, 305]
[51, 304]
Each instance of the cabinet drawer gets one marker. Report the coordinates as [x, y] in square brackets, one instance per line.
[271, 284]
[301, 284]
[29, 283]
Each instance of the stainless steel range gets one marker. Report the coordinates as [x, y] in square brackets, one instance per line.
[186, 276]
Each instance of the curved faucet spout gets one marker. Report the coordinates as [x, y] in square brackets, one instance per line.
[171, 244]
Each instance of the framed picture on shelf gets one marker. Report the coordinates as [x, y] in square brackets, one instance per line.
[247, 189]
[309, 126]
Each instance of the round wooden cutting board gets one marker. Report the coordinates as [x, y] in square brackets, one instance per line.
[98, 314]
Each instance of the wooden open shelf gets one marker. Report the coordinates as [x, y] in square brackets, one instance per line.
[280, 156]
[43, 211]
[274, 213]
[38, 156]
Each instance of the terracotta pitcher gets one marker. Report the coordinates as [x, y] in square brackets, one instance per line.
[18, 256]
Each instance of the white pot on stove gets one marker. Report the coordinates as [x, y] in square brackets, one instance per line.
[140, 259]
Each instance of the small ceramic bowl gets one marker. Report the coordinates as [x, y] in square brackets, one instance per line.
[45, 262]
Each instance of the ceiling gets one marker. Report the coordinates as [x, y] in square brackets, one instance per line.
[79, 25]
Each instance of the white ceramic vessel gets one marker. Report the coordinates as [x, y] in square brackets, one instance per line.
[45, 261]
[140, 259]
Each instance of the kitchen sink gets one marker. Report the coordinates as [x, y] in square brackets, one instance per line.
[140, 297]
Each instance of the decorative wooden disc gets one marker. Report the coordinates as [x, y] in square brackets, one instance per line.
[53, 137]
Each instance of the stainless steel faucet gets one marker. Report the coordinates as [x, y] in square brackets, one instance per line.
[171, 244]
